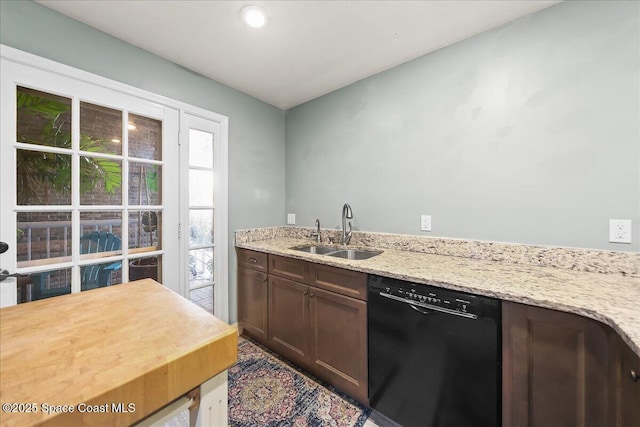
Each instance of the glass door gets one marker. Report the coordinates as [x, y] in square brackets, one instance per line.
[81, 186]
[205, 205]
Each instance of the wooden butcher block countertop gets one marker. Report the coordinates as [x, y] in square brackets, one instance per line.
[112, 355]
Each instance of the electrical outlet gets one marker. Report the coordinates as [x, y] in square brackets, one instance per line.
[291, 219]
[425, 222]
[620, 230]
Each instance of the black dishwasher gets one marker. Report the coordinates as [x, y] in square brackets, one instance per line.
[434, 355]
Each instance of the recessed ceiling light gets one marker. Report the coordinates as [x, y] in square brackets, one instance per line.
[253, 16]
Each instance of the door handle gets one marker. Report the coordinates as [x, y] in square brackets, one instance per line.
[4, 275]
[420, 310]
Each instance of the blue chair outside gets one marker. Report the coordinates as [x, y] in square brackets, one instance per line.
[98, 276]
[92, 276]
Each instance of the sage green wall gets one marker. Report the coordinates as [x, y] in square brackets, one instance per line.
[528, 133]
[256, 129]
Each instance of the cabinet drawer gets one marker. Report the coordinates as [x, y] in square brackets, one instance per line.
[252, 259]
[345, 282]
[289, 268]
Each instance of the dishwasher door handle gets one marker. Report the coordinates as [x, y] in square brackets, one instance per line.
[421, 310]
[415, 304]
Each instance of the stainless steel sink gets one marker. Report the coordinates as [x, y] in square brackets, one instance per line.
[354, 254]
[337, 252]
[314, 249]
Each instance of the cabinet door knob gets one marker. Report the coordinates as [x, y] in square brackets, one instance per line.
[305, 292]
[253, 260]
[312, 295]
[633, 375]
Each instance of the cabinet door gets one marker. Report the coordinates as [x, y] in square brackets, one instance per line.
[339, 341]
[556, 368]
[289, 319]
[629, 388]
[253, 303]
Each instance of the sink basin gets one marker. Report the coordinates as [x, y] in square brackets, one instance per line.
[337, 252]
[354, 254]
[314, 249]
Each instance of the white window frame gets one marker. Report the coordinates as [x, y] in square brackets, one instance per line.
[174, 280]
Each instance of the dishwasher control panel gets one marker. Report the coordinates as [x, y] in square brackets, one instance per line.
[428, 296]
[418, 294]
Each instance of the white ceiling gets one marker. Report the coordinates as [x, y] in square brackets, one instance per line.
[307, 48]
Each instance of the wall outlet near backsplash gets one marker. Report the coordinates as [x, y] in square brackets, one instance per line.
[291, 219]
[620, 230]
[425, 222]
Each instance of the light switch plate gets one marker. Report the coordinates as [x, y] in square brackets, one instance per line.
[425, 222]
[620, 230]
[291, 219]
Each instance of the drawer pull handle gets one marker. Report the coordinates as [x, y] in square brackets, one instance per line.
[633, 375]
[253, 260]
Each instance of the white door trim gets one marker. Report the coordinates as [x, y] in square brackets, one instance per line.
[20, 57]
[221, 220]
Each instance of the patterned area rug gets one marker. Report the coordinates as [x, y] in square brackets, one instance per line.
[265, 390]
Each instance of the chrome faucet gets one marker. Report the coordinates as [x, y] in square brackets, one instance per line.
[346, 214]
[316, 233]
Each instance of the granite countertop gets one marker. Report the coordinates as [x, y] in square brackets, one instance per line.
[608, 298]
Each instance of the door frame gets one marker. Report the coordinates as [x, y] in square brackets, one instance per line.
[221, 211]
[16, 56]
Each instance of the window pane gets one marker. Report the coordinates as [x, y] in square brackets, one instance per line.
[47, 284]
[43, 178]
[201, 227]
[144, 184]
[200, 267]
[100, 181]
[203, 297]
[145, 137]
[200, 148]
[100, 233]
[143, 268]
[100, 129]
[200, 188]
[43, 118]
[100, 275]
[144, 229]
[43, 235]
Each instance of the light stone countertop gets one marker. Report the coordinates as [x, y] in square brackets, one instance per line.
[609, 298]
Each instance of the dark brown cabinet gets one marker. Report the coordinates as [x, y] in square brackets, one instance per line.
[316, 317]
[339, 280]
[252, 294]
[628, 385]
[561, 369]
[338, 350]
[289, 319]
[289, 268]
